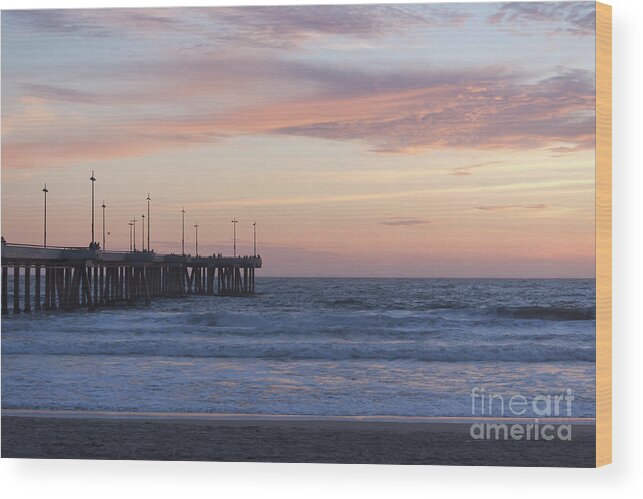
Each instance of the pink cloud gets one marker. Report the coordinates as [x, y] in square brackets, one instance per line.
[401, 221]
[177, 101]
[466, 170]
[539, 206]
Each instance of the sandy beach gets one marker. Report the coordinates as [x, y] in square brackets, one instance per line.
[276, 440]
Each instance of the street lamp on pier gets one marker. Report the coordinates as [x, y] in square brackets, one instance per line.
[196, 240]
[103, 207]
[93, 179]
[44, 243]
[148, 221]
[183, 231]
[143, 229]
[254, 237]
[134, 220]
[234, 236]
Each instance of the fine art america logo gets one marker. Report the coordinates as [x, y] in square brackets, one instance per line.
[494, 405]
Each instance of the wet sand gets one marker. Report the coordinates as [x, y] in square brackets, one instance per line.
[293, 441]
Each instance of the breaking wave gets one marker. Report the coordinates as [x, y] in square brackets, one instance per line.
[549, 313]
[528, 352]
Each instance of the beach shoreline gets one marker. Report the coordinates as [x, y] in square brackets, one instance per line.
[291, 439]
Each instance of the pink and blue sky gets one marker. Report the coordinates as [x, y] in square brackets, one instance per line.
[372, 140]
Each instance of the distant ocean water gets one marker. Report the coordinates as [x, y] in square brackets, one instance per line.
[406, 347]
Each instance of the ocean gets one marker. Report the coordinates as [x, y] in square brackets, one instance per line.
[312, 346]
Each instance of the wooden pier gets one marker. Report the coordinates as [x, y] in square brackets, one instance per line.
[56, 278]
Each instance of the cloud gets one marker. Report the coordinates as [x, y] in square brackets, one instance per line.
[397, 221]
[564, 150]
[239, 73]
[500, 207]
[286, 26]
[73, 147]
[95, 23]
[576, 18]
[405, 112]
[271, 27]
[53, 93]
[480, 110]
[466, 170]
[167, 99]
[496, 207]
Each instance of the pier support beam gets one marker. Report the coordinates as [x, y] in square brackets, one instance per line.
[27, 306]
[16, 289]
[95, 283]
[37, 301]
[50, 288]
[101, 283]
[5, 276]
[60, 288]
[87, 288]
[83, 291]
[144, 287]
[66, 286]
[47, 303]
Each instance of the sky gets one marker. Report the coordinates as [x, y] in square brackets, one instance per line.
[435, 140]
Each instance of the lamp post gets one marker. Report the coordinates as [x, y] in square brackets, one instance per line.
[134, 232]
[103, 207]
[130, 234]
[254, 237]
[234, 237]
[183, 231]
[93, 179]
[45, 190]
[148, 221]
[143, 229]
[196, 240]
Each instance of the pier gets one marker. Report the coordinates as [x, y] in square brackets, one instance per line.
[73, 278]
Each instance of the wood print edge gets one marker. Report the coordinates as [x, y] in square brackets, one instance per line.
[603, 234]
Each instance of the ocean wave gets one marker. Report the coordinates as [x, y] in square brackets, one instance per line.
[530, 312]
[526, 352]
[548, 313]
[400, 305]
[349, 303]
[315, 321]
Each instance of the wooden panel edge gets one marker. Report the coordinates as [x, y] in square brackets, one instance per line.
[603, 234]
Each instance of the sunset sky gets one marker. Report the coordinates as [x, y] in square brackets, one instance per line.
[383, 140]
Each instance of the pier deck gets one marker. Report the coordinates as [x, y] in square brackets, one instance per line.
[71, 278]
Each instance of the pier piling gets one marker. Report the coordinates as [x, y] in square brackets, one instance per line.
[27, 307]
[5, 308]
[16, 289]
[37, 288]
